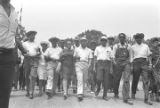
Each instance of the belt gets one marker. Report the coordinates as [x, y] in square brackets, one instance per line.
[6, 50]
[103, 60]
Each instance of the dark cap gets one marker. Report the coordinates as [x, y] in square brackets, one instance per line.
[139, 36]
[155, 39]
[31, 33]
[53, 39]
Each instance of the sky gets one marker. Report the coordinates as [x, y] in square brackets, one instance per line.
[68, 18]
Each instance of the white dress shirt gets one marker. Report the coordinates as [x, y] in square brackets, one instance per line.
[8, 27]
[140, 51]
[31, 48]
[53, 53]
[83, 53]
[103, 53]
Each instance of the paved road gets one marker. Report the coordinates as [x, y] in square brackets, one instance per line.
[18, 100]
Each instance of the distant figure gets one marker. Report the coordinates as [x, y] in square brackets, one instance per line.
[140, 58]
[67, 66]
[83, 56]
[42, 68]
[121, 54]
[31, 62]
[102, 58]
[8, 26]
[52, 56]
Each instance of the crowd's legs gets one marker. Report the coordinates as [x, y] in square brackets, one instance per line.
[52, 77]
[102, 76]
[140, 67]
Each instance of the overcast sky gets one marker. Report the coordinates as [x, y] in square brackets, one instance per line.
[67, 18]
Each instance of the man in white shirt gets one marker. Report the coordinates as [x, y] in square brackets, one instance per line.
[121, 54]
[8, 26]
[140, 54]
[103, 55]
[52, 56]
[31, 62]
[83, 57]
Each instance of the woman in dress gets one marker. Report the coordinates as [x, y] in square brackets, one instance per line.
[42, 72]
[67, 66]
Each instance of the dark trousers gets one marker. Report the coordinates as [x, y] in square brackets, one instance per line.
[122, 70]
[22, 78]
[102, 75]
[7, 68]
[27, 70]
[16, 76]
[140, 67]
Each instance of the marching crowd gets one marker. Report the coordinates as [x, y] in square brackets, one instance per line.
[59, 65]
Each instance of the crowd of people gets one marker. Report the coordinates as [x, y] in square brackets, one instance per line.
[78, 64]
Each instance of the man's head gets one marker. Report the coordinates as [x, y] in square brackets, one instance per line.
[111, 40]
[122, 38]
[68, 44]
[139, 38]
[54, 41]
[155, 41]
[31, 35]
[103, 41]
[84, 42]
[76, 42]
[93, 45]
[44, 45]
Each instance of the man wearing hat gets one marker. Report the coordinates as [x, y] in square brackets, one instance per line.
[42, 68]
[83, 56]
[140, 54]
[52, 56]
[31, 62]
[121, 54]
[155, 75]
[102, 57]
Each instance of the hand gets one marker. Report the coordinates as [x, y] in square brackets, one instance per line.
[150, 66]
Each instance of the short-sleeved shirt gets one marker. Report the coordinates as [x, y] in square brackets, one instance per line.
[83, 53]
[103, 53]
[31, 48]
[140, 51]
[8, 27]
[53, 53]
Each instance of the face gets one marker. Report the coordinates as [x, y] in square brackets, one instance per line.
[155, 43]
[122, 38]
[69, 44]
[84, 43]
[44, 46]
[54, 44]
[76, 42]
[139, 40]
[31, 38]
[103, 42]
[111, 41]
[93, 46]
